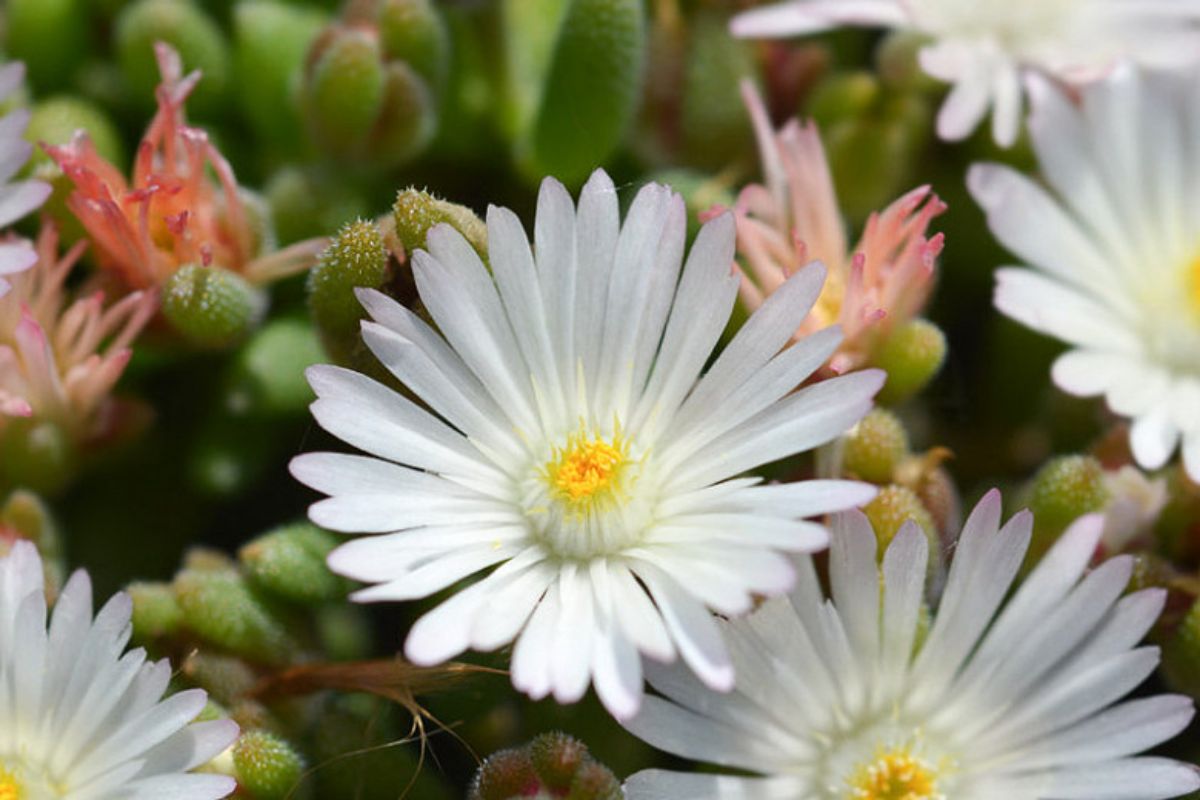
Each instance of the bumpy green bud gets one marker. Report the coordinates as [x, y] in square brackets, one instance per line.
[268, 374]
[575, 72]
[413, 31]
[221, 608]
[875, 447]
[344, 89]
[156, 612]
[504, 775]
[266, 766]
[556, 757]
[55, 120]
[911, 356]
[50, 36]
[211, 307]
[225, 678]
[891, 508]
[36, 455]
[416, 211]
[356, 258]
[713, 122]
[188, 29]
[408, 118]
[270, 40]
[594, 781]
[290, 562]
[1065, 489]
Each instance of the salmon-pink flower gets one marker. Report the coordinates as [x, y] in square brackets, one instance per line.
[872, 289]
[172, 212]
[60, 358]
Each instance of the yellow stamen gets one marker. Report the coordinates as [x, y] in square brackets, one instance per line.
[895, 774]
[9, 788]
[586, 468]
[1194, 275]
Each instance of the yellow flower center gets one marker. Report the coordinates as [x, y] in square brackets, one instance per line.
[586, 468]
[9, 788]
[1194, 274]
[895, 774]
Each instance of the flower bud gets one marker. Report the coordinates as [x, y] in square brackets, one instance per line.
[594, 781]
[875, 447]
[712, 121]
[415, 212]
[1065, 489]
[156, 612]
[222, 609]
[556, 757]
[226, 679]
[408, 119]
[55, 120]
[270, 41]
[911, 356]
[891, 508]
[505, 775]
[552, 765]
[267, 767]
[308, 203]
[211, 307]
[268, 374]
[50, 36]
[357, 257]
[290, 562]
[189, 30]
[36, 455]
[344, 89]
[413, 31]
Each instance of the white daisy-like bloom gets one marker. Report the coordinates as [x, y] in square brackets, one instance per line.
[573, 444]
[80, 720]
[984, 47]
[1112, 241]
[20, 197]
[851, 699]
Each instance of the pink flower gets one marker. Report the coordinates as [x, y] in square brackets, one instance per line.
[171, 212]
[60, 359]
[872, 289]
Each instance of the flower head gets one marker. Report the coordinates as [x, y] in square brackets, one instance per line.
[171, 212]
[871, 290]
[61, 358]
[1113, 246]
[573, 444]
[80, 720]
[20, 197]
[848, 700]
[982, 48]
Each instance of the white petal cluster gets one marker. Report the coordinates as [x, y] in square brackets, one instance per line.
[80, 719]
[20, 197]
[983, 48]
[1112, 245]
[574, 445]
[853, 700]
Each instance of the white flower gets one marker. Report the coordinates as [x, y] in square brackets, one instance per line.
[1134, 505]
[850, 700]
[19, 198]
[577, 446]
[983, 48]
[81, 721]
[1114, 246]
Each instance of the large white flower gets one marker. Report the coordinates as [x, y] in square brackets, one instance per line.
[1114, 246]
[81, 721]
[852, 700]
[20, 197]
[573, 442]
[982, 47]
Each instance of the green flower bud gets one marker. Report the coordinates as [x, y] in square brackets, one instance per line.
[222, 609]
[207, 559]
[55, 120]
[156, 612]
[36, 455]
[290, 562]
[211, 307]
[407, 119]
[575, 70]
[415, 212]
[874, 448]
[413, 31]
[225, 678]
[184, 26]
[594, 781]
[713, 121]
[557, 757]
[357, 257]
[344, 89]
[911, 356]
[891, 508]
[1065, 489]
[268, 374]
[306, 204]
[271, 40]
[50, 36]
[266, 766]
[503, 776]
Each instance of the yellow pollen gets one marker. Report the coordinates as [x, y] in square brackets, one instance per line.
[9, 788]
[895, 775]
[1194, 275]
[585, 468]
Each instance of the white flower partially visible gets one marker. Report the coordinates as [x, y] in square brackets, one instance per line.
[574, 445]
[1134, 505]
[1113, 248]
[81, 721]
[16, 198]
[983, 48]
[849, 700]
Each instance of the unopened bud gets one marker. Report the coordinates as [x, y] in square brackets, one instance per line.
[556, 757]
[891, 508]
[227, 679]
[1065, 489]
[344, 89]
[222, 609]
[416, 211]
[290, 562]
[268, 374]
[211, 307]
[156, 612]
[37, 455]
[875, 447]
[594, 781]
[308, 203]
[413, 31]
[713, 122]
[504, 775]
[911, 356]
[356, 258]
[267, 766]
[55, 120]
